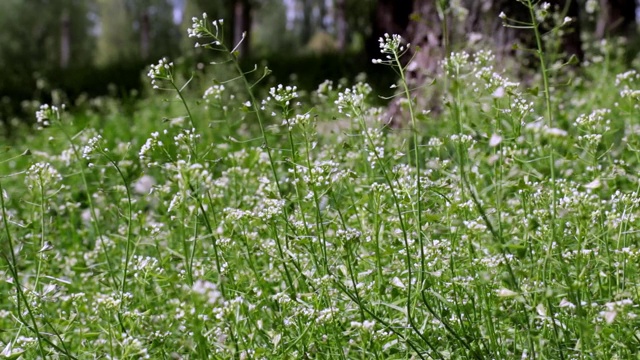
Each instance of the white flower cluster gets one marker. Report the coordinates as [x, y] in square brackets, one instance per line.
[392, 46]
[352, 99]
[323, 173]
[200, 29]
[92, 145]
[209, 289]
[543, 11]
[160, 71]
[186, 139]
[40, 175]
[463, 139]
[348, 235]
[594, 122]
[214, 92]
[269, 209]
[46, 114]
[283, 94]
[324, 89]
[612, 309]
[627, 81]
[151, 142]
[299, 119]
[455, 62]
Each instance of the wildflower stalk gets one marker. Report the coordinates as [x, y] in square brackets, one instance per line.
[42, 232]
[201, 29]
[16, 280]
[403, 227]
[316, 200]
[392, 47]
[549, 119]
[548, 108]
[128, 250]
[163, 71]
[418, 164]
[45, 116]
[185, 104]
[21, 298]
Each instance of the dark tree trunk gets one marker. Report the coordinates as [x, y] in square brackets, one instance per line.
[571, 41]
[144, 34]
[390, 16]
[242, 25]
[323, 13]
[419, 22]
[617, 17]
[307, 17]
[571, 44]
[341, 23]
[65, 39]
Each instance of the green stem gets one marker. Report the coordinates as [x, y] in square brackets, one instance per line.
[549, 119]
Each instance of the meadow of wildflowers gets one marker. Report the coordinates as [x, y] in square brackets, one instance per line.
[288, 225]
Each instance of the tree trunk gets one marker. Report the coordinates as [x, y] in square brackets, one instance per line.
[65, 39]
[420, 23]
[617, 17]
[144, 34]
[242, 26]
[389, 17]
[341, 24]
[307, 14]
[571, 41]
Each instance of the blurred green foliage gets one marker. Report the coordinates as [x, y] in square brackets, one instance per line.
[89, 48]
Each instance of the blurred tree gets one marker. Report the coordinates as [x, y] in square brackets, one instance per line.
[237, 15]
[271, 35]
[242, 25]
[617, 17]
[60, 36]
[155, 27]
[358, 21]
[134, 30]
[116, 42]
[340, 20]
[431, 25]
[434, 25]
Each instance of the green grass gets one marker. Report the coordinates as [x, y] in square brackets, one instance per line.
[503, 227]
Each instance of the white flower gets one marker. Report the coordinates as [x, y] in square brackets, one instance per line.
[506, 293]
[499, 92]
[609, 316]
[144, 184]
[209, 289]
[566, 303]
[495, 140]
[556, 132]
[593, 185]
[397, 283]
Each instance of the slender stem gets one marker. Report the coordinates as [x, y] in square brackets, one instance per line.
[549, 119]
[129, 221]
[94, 216]
[16, 280]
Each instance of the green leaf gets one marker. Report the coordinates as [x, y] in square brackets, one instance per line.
[573, 60]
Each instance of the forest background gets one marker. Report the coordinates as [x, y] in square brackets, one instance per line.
[89, 48]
